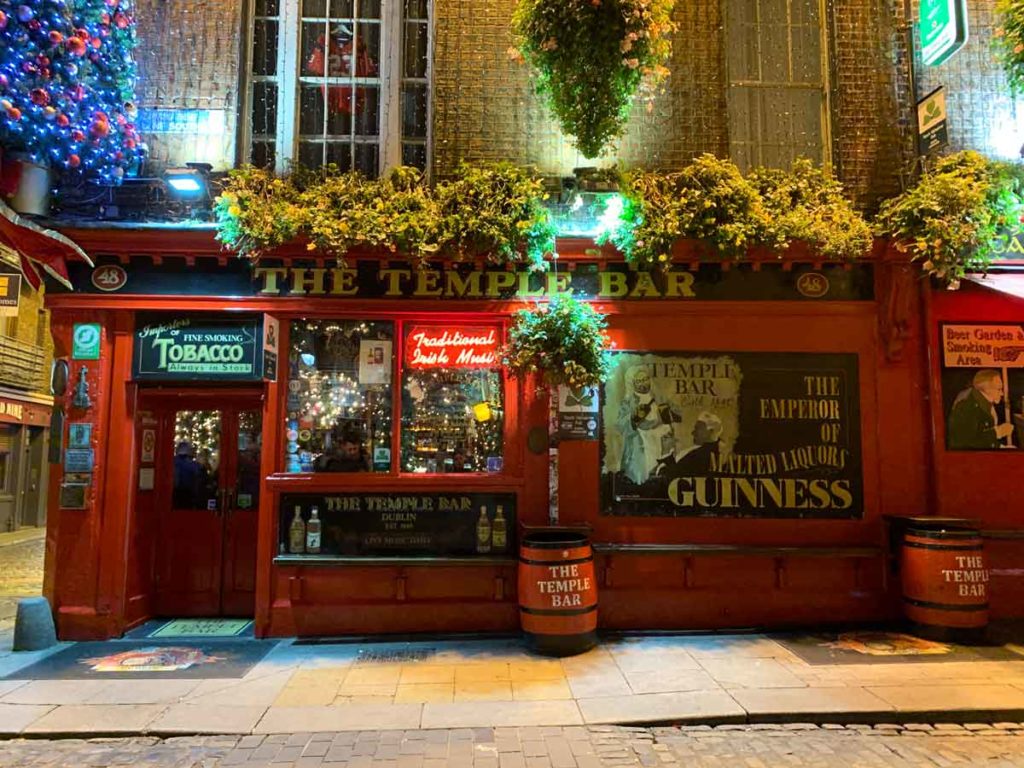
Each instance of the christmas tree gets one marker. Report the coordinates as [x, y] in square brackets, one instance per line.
[66, 79]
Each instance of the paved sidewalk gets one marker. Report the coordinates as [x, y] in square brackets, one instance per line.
[550, 747]
[450, 684]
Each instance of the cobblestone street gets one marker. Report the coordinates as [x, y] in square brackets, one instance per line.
[758, 746]
[21, 572]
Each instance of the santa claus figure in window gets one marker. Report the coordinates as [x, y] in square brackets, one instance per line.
[338, 57]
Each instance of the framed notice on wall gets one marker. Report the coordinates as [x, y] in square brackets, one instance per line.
[732, 434]
[983, 386]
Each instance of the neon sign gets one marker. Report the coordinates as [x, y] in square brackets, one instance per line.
[436, 347]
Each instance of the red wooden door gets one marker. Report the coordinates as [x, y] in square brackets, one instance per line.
[206, 503]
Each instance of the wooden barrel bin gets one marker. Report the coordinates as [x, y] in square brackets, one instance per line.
[945, 579]
[558, 592]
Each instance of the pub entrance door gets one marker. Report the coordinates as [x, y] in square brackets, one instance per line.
[205, 499]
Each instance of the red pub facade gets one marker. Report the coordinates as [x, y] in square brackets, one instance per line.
[338, 450]
[813, 381]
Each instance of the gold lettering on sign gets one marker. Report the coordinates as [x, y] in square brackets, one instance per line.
[427, 283]
[343, 282]
[15, 410]
[392, 278]
[613, 285]
[497, 282]
[458, 286]
[270, 277]
[313, 283]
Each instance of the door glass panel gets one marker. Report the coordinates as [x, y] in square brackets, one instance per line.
[196, 459]
[247, 480]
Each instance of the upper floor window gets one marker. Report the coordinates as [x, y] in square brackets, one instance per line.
[777, 81]
[345, 82]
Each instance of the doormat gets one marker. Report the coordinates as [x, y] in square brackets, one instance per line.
[154, 660]
[875, 647]
[201, 628]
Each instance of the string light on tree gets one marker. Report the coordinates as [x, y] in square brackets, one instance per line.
[67, 80]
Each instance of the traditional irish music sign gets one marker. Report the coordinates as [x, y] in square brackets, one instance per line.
[437, 346]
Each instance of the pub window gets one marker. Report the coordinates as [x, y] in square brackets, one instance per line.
[343, 82]
[778, 81]
[339, 396]
[453, 414]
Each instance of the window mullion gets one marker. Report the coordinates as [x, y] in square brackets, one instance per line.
[826, 87]
[288, 77]
[390, 127]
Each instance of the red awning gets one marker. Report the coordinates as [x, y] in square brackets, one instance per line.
[38, 248]
[1010, 283]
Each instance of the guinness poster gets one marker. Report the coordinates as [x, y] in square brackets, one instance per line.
[732, 434]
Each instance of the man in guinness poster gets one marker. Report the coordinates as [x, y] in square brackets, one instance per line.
[732, 434]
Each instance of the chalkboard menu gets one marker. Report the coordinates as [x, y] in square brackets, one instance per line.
[399, 524]
[732, 434]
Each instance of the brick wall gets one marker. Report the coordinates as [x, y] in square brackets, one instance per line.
[485, 107]
[188, 59]
[981, 112]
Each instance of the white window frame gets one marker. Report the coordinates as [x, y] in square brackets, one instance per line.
[824, 87]
[288, 78]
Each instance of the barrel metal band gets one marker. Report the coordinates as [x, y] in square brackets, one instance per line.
[577, 561]
[557, 611]
[942, 547]
[945, 606]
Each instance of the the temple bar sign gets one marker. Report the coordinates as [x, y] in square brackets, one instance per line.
[943, 29]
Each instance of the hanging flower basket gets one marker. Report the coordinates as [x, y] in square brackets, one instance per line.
[1009, 42]
[563, 341]
[590, 58]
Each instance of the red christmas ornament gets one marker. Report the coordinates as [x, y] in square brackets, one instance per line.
[76, 45]
[56, 37]
[121, 121]
[129, 143]
[3, 20]
[14, 114]
[105, 18]
[77, 93]
[43, 61]
[77, 135]
[74, 161]
[34, 25]
[120, 20]
[62, 121]
[4, 82]
[96, 43]
[113, 3]
[82, 32]
[39, 97]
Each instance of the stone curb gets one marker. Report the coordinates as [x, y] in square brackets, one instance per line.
[1006, 721]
